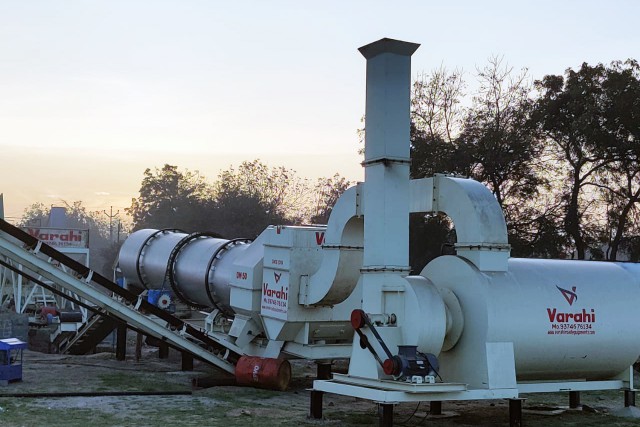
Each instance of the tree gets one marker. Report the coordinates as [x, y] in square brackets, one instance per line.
[103, 252]
[590, 119]
[327, 193]
[430, 236]
[435, 104]
[492, 141]
[170, 198]
[432, 154]
[507, 154]
[436, 120]
[242, 202]
[619, 181]
[254, 196]
[496, 134]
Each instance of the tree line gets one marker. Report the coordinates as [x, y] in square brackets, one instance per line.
[241, 202]
[560, 154]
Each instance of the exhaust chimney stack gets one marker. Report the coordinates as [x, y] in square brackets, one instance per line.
[387, 160]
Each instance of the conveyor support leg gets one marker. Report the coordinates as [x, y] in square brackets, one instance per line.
[121, 342]
[187, 361]
[315, 407]
[163, 350]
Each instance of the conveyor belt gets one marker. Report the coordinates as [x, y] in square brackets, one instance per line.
[25, 249]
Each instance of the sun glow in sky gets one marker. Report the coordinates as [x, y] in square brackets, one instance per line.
[94, 92]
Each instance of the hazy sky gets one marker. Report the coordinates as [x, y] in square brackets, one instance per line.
[94, 92]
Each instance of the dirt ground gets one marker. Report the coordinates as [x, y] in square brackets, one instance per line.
[231, 406]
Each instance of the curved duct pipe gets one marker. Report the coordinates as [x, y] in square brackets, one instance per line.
[476, 214]
[342, 251]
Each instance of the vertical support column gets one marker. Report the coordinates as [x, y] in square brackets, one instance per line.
[315, 404]
[187, 361]
[121, 341]
[629, 398]
[138, 346]
[435, 407]
[515, 412]
[385, 413]
[163, 350]
[323, 371]
[574, 399]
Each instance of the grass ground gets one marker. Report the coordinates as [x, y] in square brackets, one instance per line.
[232, 406]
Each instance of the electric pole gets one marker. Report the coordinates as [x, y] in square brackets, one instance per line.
[111, 216]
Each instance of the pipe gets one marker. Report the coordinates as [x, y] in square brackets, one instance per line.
[476, 214]
[342, 250]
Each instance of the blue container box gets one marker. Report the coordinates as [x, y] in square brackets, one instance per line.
[11, 360]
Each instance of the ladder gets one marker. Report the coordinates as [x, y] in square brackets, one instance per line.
[92, 333]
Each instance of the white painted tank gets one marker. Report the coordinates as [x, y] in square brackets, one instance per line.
[566, 319]
[200, 265]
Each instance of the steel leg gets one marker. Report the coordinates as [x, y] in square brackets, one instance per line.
[629, 398]
[574, 399]
[187, 361]
[515, 412]
[385, 413]
[163, 350]
[324, 371]
[315, 407]
[435, 407]
[121, 342]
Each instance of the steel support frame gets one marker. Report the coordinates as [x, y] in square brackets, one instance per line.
[629, 398]
[374, 390]
[315, 405]
[121, 341]
[23, 297]
[439, 392]
[515, 412]
[574, 399]
[323, 370]
[435, 407]
[117, 309]
[385, 414]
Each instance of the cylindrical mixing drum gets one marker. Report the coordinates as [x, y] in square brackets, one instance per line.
[566, 319]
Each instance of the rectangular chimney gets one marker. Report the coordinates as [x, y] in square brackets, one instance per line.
[387, 160]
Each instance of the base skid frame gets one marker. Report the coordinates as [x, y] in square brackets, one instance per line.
[383, 391]
[389, 393]
[554, 387]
